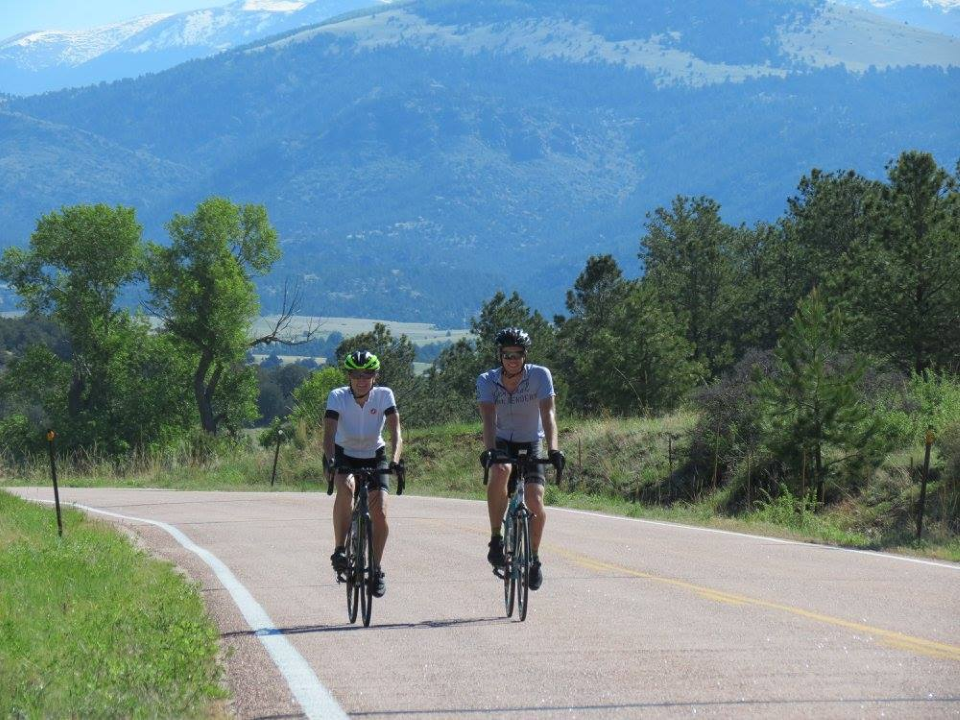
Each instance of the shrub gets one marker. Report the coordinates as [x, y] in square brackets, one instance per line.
[732, 405]
[905, 406]
[311, 397]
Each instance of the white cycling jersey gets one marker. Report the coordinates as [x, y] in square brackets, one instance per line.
[360, 429]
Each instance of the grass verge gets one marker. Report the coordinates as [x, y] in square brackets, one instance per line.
[623, 466]
[91, 627]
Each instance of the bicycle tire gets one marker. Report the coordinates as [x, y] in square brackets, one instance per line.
[353, 588]
[522, 561]
[366, 590]
[509, 578]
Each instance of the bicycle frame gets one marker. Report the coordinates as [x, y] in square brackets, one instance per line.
[516, 537]
[359, 575]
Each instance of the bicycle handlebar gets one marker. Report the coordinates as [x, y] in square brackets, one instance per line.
[399, 470]
[500, 456]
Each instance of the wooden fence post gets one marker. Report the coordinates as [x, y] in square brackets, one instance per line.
[928, 441]
[276, 456]
[51, 435]
[716, 456]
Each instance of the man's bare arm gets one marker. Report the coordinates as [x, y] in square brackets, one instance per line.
[488, 413]
[548, 417]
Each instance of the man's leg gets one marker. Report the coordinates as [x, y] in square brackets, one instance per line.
[533, 494]
[496, 505]
[497, 495]
[534, 498]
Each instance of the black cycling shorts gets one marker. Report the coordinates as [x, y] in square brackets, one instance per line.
[379, 462]
[536, 475]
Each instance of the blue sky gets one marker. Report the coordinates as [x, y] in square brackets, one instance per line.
[20, 15]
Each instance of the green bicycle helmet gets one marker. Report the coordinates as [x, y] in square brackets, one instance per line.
[361, 360]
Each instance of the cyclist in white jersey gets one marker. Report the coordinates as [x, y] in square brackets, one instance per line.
[352, 437]
[517, 408]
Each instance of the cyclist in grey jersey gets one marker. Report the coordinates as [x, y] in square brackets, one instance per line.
[516, 402]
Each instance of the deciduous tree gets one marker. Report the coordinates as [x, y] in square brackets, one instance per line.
[202, 287]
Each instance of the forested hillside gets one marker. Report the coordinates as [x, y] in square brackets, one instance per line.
[459, 147]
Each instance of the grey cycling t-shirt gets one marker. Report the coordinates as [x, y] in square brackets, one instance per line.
[518, 413]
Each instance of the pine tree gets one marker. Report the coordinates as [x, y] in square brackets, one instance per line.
[814, 420]
[900, 280]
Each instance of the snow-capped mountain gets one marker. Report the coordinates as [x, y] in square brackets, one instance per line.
[38, 50]
[942, 16]
[34, 62]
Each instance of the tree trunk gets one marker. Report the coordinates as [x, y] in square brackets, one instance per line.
[818, 469]
[75, 394]
[207, 420]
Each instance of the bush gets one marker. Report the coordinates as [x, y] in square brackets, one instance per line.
[17, 437]
[950, 452]
[311, 397]
[949, 446]
[730, 404]
[786, 509]
[905, 407]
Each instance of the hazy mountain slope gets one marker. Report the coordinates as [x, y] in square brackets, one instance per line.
[449, 148]
[44, 166]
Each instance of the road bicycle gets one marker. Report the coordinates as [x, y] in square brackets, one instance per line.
[360, 574]
[515, 532]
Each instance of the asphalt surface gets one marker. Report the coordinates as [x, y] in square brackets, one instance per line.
[634, 619]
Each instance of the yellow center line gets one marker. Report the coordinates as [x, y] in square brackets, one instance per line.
[889, 638]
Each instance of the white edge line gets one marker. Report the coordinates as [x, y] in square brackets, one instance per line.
[681, 526]
[315, 700]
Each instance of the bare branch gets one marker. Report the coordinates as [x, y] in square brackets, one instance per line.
[282, 332]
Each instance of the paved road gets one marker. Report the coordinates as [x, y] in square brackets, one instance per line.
[635, 619]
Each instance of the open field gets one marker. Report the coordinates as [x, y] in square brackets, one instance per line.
[419, 333]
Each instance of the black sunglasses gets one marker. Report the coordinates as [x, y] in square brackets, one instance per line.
[366, 374]
[513, 355]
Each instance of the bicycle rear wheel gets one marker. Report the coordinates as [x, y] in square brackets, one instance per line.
[509, 578]
[522, 564]
[353, 587]
[366, 585]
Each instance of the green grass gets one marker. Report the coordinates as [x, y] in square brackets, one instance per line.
[91, 627]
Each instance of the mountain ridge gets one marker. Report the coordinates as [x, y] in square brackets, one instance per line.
[435, 164]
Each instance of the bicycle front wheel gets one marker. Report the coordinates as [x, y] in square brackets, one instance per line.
[522, 563]
[354, 560]
[366, 589]
[509, 578]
